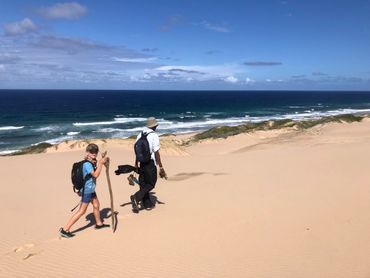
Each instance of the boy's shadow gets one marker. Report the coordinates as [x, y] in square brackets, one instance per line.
[104, 214]
[153, 198]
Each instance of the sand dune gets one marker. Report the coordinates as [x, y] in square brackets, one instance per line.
[267, 204]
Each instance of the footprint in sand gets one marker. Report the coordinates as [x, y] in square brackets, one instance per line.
[21, 248]
[29, 255]
[18, 249]
[24, 248]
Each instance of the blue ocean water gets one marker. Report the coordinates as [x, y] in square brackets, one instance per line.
[30, 117]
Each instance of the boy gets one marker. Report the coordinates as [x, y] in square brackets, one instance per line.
[88, 193]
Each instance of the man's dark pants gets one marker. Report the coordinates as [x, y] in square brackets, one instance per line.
[147, 181]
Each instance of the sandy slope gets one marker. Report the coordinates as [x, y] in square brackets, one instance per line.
[268, 204]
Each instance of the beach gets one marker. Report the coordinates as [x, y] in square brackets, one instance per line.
[269, 203]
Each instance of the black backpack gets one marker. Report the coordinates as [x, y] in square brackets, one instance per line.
[78, 180]
[142, 149]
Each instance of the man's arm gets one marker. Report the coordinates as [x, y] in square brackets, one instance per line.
[158, 159]
[162, 172]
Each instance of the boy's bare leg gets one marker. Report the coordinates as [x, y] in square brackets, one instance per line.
[76, 216]
[96, 211]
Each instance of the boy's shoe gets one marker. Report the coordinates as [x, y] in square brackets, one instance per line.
[65, 234]
[134, 204]
[97, 227]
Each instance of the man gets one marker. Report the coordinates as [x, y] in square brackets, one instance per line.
[148, 170]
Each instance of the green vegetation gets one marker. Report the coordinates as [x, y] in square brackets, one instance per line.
[39, 148]
[226, 131]
[347, 118]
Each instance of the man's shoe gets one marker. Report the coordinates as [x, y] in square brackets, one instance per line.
[147, 204]
[97, 227]
[65, 234]
[134, 204]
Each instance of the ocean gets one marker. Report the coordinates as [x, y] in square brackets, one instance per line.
[30, 117]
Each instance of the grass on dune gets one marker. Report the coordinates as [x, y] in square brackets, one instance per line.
[226, 131]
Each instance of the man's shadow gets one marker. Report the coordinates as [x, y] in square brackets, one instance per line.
[104, 214]
[153, 198]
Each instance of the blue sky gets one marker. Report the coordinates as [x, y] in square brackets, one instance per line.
[185, 44]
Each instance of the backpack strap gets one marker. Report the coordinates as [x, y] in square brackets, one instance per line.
[88, 176]
[146, 134]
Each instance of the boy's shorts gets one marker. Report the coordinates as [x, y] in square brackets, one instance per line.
[86, 198]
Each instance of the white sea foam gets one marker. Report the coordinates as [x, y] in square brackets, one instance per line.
[116, 121]
[8, 152]
[197, 124]
[71, 133]
[135, 129]
[95, 123]
[164, 122]
[108, 130]
[296, 116]
[309, 115]
[11, 127]
[128, 120]
[56, 140]
[349, 111]
[46, 128]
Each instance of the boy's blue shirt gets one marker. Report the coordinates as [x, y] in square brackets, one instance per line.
[91, 182]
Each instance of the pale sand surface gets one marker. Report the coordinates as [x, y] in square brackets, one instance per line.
[268, 204]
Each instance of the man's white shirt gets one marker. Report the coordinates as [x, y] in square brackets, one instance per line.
[153, 140]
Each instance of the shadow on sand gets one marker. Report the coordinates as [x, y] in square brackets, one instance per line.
[153, 199]
[104, 214]
[185, 176]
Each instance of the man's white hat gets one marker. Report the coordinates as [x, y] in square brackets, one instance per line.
[151, 122]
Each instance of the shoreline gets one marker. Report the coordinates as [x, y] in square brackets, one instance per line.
[185, 139]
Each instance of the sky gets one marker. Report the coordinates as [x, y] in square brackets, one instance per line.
[185, 44]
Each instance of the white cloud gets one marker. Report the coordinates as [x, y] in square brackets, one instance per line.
[249, 80]
[193, 73]
[231, 79]
[72, 10]
[20, 27]
[2, 67]
[135, 60]
[270, 80]
[47, 60]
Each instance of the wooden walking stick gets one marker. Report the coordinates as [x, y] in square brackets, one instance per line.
[113, 213]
